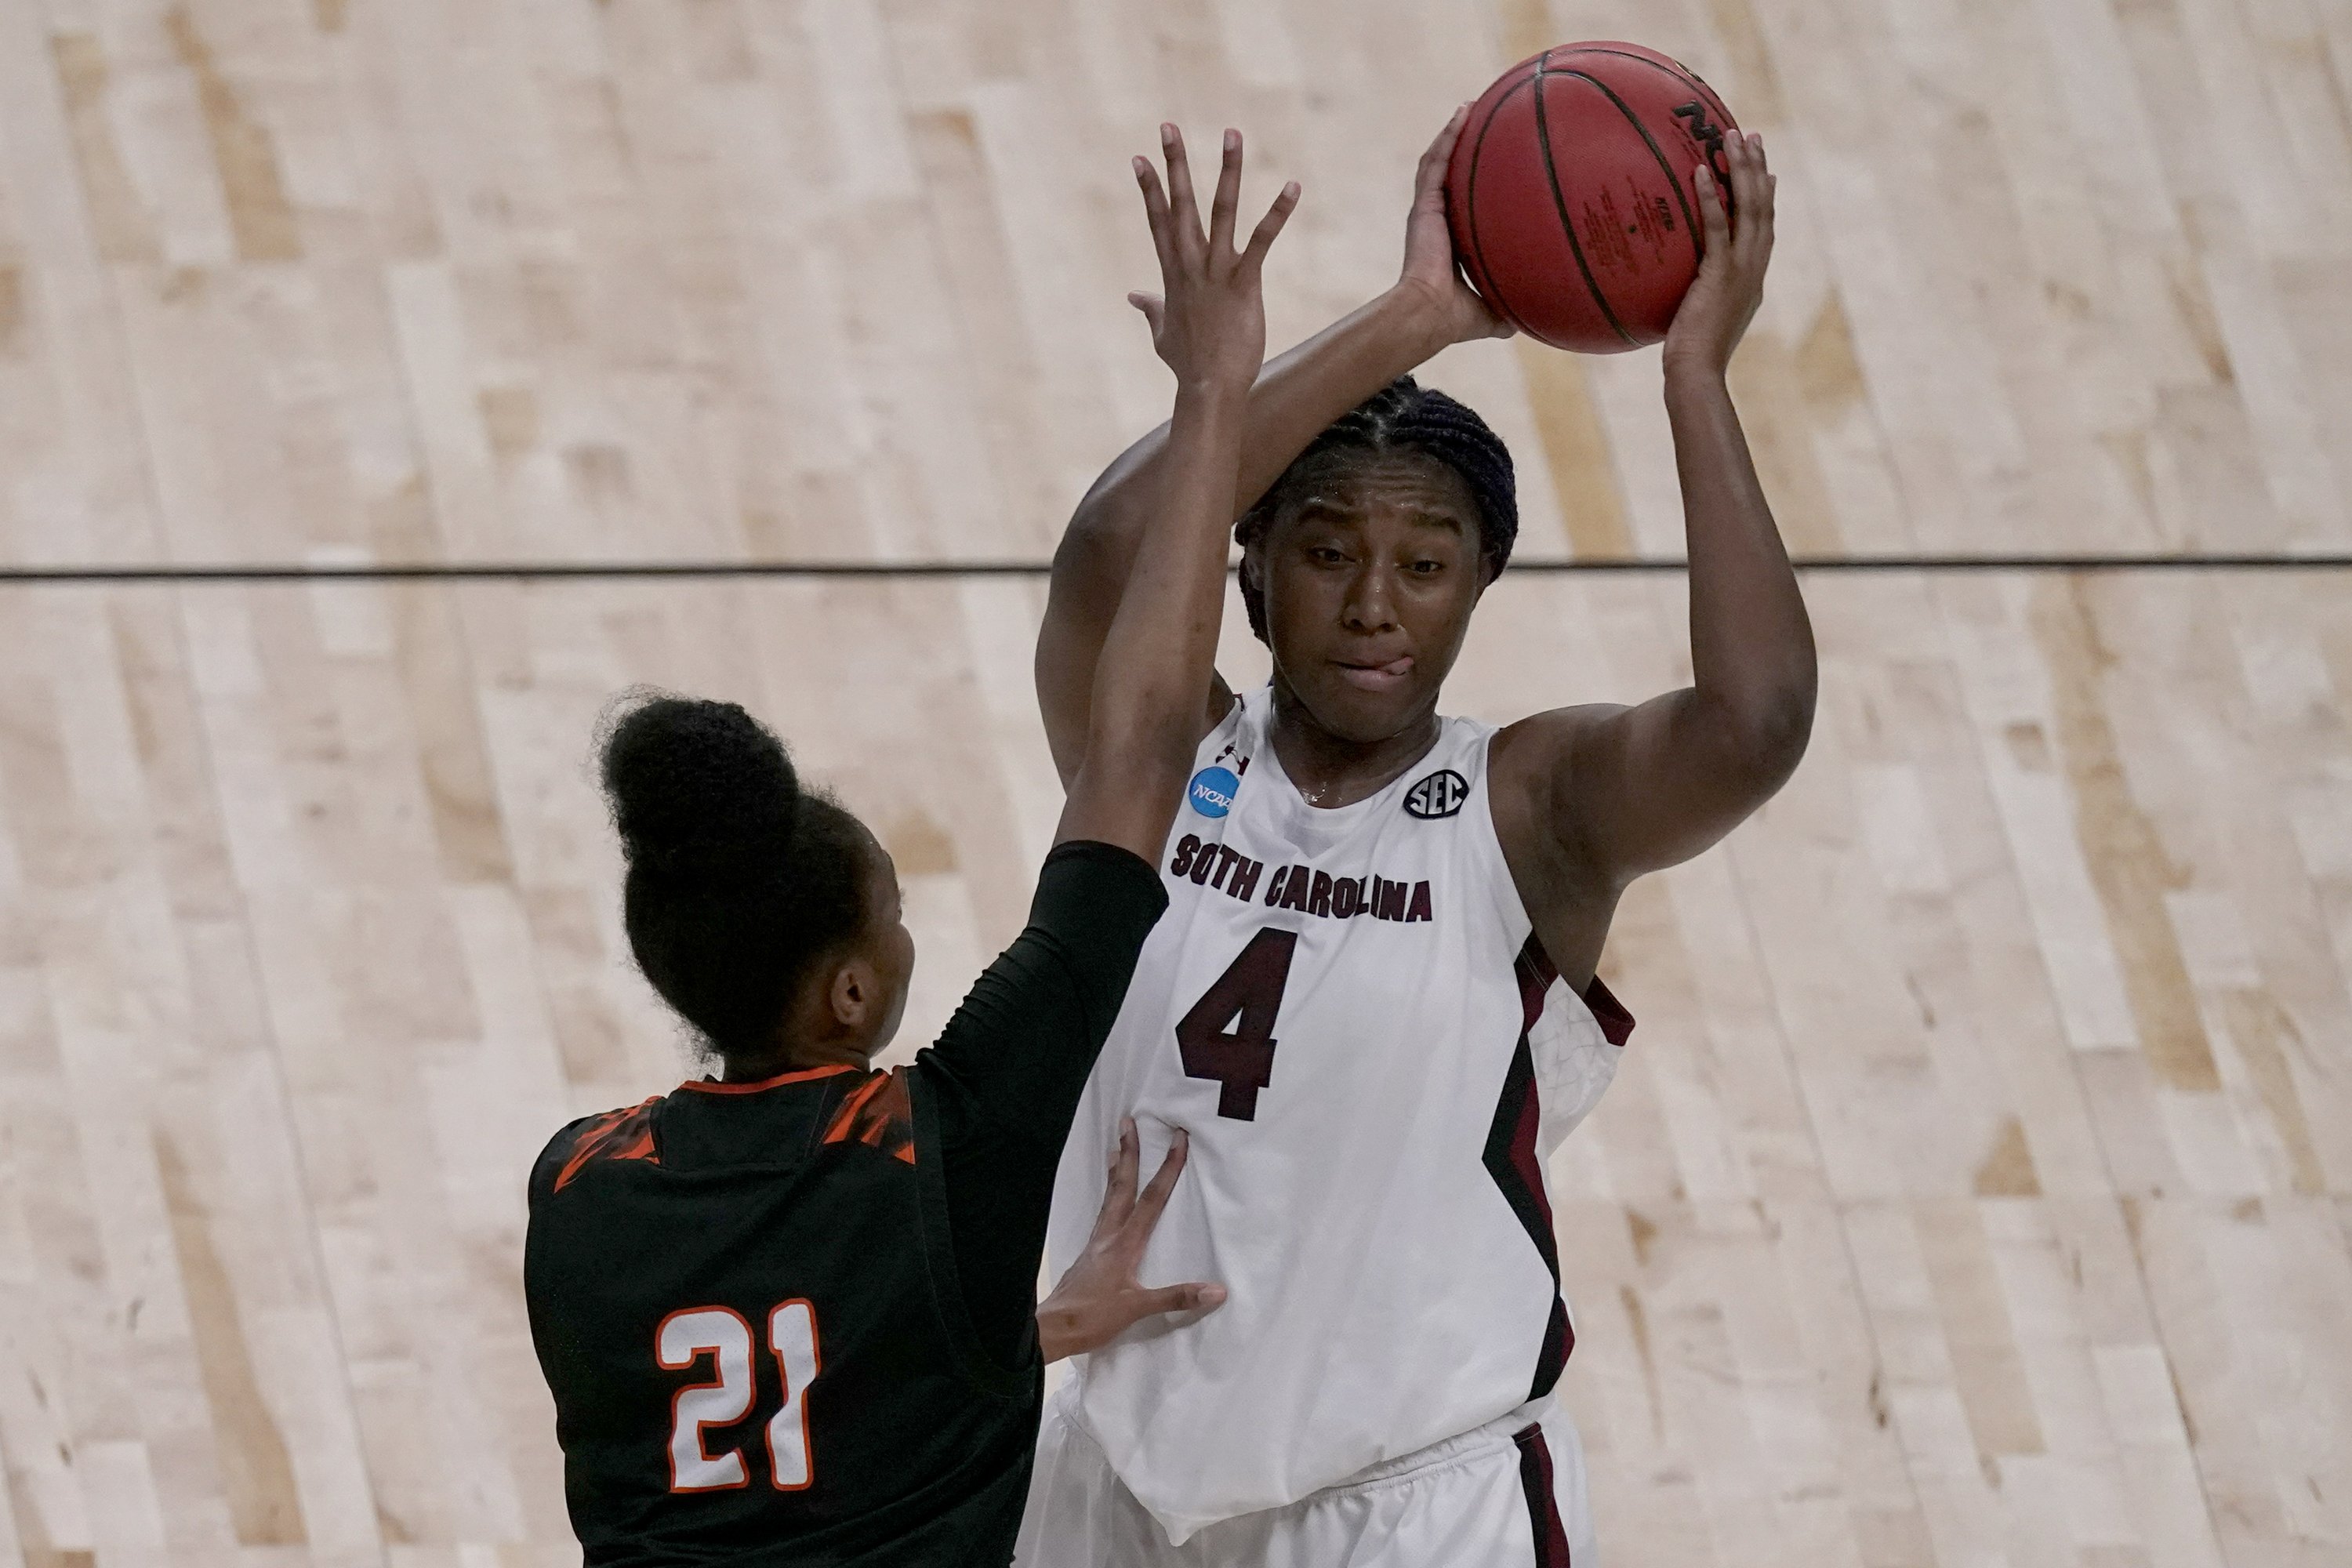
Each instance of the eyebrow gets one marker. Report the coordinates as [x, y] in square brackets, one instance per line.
[1337, 511]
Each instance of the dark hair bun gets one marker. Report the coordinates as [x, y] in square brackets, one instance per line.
[698, 789]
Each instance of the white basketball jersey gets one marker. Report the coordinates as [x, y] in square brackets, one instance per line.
[1347, 1013]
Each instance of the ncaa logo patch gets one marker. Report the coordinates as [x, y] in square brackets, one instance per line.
[1441, 794]
[1213, 790]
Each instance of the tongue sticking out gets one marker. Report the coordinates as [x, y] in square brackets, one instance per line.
[1378, 677]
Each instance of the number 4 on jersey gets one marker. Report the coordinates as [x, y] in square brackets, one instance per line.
[1229, 1033]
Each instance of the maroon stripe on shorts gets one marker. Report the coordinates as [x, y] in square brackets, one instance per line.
[1543, 1507]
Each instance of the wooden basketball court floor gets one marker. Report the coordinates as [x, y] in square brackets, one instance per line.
[1977, 1185]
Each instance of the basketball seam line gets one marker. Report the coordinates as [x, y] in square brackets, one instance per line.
[1477, 241]
[1679, 72]
[1559, 201]
[1675, 71]
[1673, 179]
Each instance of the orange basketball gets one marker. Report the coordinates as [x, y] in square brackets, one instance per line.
[1571, 197]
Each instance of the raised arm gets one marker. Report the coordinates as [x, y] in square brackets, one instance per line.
[1153, 661]
[1295, 397]
[1636, 789]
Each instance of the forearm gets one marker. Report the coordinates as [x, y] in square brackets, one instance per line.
[1156, 657]
[1296, 395]
[1751, 642]
[1637, 789]
[1294, 398]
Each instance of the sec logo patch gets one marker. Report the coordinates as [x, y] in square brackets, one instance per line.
[1441, 794]
[1213, 790]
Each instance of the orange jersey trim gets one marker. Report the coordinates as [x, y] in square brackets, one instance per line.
[879, 1114]
[623, 1134]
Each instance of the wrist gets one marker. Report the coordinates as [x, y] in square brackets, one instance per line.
[1693, 374]
[1417, 319]
[1213, 397]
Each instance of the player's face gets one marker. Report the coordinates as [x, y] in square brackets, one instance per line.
[1370, 580]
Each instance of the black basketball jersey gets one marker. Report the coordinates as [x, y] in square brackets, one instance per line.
[746, 1297]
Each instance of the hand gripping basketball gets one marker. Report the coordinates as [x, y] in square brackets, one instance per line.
[1431, 272]
[1723, 298]
[1208, 322]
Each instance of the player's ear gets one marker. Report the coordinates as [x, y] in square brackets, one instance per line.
[852, 994]
[1252, 567]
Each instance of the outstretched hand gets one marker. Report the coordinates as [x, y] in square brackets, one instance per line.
[1099, 1297]
[1430, 272]
[1209, 320]
[1723, 298]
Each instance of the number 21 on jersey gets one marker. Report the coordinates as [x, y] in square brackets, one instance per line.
[685, 1337]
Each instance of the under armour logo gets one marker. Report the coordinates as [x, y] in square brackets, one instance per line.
[1441, 794]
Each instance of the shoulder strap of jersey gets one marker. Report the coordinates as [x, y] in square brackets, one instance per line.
[623, 1134]
[1237, 736]
[1466, 739]
[1475, 741]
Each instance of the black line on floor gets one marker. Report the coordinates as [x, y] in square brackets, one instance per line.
[622, 571]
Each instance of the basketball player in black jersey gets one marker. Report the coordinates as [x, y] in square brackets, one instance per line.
[787, 1314]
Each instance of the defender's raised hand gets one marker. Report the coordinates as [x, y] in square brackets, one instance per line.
[1153, 675]
[1722, 300]
[1208, 322]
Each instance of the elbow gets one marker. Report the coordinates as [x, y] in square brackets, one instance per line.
[1097, 521]
[1766, 735]
[1086, 537]
[1784, 732]
[1104, 514]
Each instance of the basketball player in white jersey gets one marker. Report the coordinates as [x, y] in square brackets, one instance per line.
[1371, 1003]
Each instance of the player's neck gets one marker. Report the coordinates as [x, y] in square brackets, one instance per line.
[777, 1067]
[801, 1051]
[1331, 771]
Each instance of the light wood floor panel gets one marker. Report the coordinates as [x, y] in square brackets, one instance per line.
[351, 279]
[1978, 1189]
[1975, 1191]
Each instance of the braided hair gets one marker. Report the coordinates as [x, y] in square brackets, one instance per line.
[738, 877]
[1403, 416]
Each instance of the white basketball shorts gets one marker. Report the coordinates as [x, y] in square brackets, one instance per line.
[1509, 1494]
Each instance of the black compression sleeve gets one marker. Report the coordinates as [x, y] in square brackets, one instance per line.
[1006, 1073]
